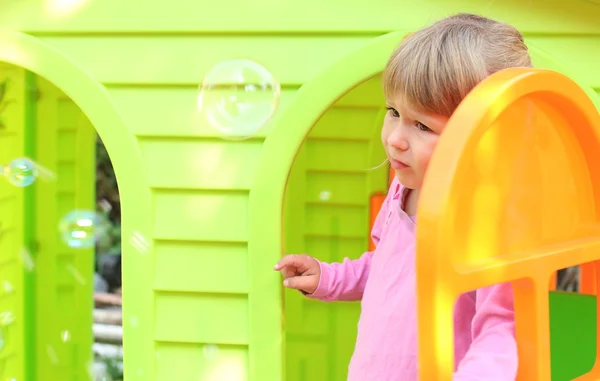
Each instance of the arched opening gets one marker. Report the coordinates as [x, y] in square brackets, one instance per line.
[74, 182]
[91, 102]
[329, 199]
[275, 192]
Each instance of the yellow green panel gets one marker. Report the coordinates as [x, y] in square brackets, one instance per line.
[337, 220]
[210, 216]
[202, 269]
[201, 318]
[200, 164]
[352, 117]
[368, 94]
[206, 362]
[320, 247]
[66, 146]
[187, 60]
[172, 111]
[350, 155]
[13, 257]
[332, 188]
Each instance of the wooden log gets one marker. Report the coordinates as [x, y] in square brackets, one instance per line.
[104, 298]
[108, 333]
[108, 350]
[108, 316]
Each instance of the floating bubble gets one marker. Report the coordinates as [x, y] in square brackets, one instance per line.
[81, 228]
[238, 97]
[21, 172]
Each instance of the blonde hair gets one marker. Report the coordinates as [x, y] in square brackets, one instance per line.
[434, 68]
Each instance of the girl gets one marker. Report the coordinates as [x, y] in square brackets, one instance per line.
[425, 79]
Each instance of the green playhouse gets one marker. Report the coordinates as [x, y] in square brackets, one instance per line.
[217, 214]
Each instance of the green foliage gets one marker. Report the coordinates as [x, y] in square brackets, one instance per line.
[113, 368]
[108, 201]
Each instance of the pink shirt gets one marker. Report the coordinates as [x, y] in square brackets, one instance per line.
[384, 281]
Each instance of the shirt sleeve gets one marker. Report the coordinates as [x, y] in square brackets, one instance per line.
[346, 281]
[492, 355]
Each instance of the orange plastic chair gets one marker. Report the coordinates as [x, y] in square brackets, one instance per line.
[512, 194]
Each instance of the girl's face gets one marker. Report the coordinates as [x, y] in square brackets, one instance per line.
[409, 138]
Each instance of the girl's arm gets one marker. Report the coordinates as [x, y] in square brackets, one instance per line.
[493, 352]
[346, 280]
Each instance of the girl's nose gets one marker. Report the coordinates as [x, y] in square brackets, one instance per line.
[398, 138]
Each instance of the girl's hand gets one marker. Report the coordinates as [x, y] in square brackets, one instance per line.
[300, 272]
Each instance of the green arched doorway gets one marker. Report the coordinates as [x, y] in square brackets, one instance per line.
[31, 54]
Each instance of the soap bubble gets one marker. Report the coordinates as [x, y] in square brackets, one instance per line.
[21, 172]
[81, 228]
[238, 97]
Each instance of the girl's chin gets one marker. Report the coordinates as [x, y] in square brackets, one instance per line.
[407, 180]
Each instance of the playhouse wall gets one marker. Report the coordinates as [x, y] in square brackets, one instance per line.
[579, 52]
[151, 56]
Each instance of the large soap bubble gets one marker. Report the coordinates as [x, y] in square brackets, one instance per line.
[21, 172]
[238, 97]
[82, 228]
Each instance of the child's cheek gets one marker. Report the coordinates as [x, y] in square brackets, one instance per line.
[426, 154]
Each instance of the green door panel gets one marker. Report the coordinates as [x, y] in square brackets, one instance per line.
[12, 255]
[327, 216]
[66, 144]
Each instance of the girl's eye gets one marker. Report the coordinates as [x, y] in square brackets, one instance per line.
[393, 112]
[423, 127]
